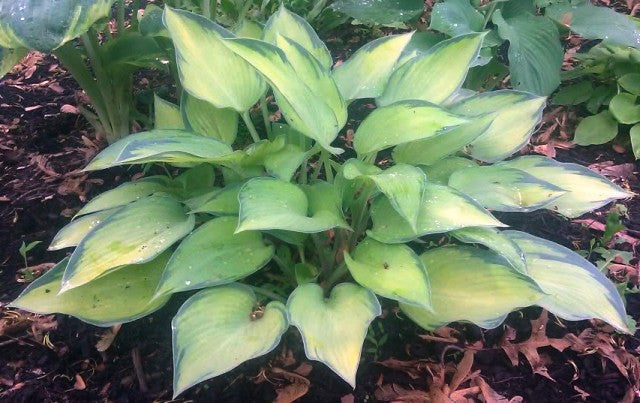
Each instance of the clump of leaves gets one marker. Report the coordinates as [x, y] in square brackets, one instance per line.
[530, 32]
[607, 84]
[334, 234]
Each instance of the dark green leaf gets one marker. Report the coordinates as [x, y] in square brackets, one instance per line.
[456, 17]
[213, 255]
[593, 22]
[573, 94]
[535, 52]
[380, 11]
[47, 25]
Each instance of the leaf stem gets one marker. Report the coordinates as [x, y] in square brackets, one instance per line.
[285, 269]
[336, 275]
[214, 10]
[252, 129]
[268, 294]
[360, 215]
[206, 8]
[489, 13]
[316, 10]
[71, 59]
[265, 115]
[121, 13]
[328, 171]
[324, 264]
[134, 15]
[245, 9]
[301, 253]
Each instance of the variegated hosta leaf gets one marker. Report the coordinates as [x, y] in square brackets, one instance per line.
[267, 204]
[213, 255]
[290, 25]
[403, 185]
[123, 295]
[172, 146]
[392, 271]
[502, 188]
[420, 44]
[432, 149]
[516, 115]
[366, 72]
[204, 118]
[585, 189]
[126, 193]
[252, 157]
[314, 76]
[248, 29]
[471, 284]
[441, 171]
[291, 136]
[435, 75]
[283, 163]
[278, 158]
[496, 241]
[134, 234]
[443, 209]
[208, 69]
[47, 25]
[9, 58]
[216, 330]
[298, 86]
[195, 181]
[74, 232]
[403, 122]
[333, 329]
[217, 202]
[166, 115]
[575, 289]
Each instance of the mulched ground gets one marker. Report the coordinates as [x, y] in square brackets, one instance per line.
[54, 358]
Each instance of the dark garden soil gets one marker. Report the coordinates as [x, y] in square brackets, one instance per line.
[44, 144]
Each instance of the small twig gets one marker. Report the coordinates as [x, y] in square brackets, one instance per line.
[137, 366]
[12, 340]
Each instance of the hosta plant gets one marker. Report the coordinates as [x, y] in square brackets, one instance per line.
[103, 68]
[300, 229]
[532, 30]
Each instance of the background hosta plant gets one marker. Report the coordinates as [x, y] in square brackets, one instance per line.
[532, 30]
[103, 63]
[335, 229]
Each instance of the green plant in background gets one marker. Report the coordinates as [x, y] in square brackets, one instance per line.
[251, 14]
[606, 82]
[333, 233]
[25, 249]
[103, 68]
[534, 53]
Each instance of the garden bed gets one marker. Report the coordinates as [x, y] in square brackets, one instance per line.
[44, 145]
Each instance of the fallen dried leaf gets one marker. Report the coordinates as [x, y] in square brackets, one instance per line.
[292, 392]
[66, 108]
[79, 384]
[462, 370]
[107, 337]
[393, 392]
